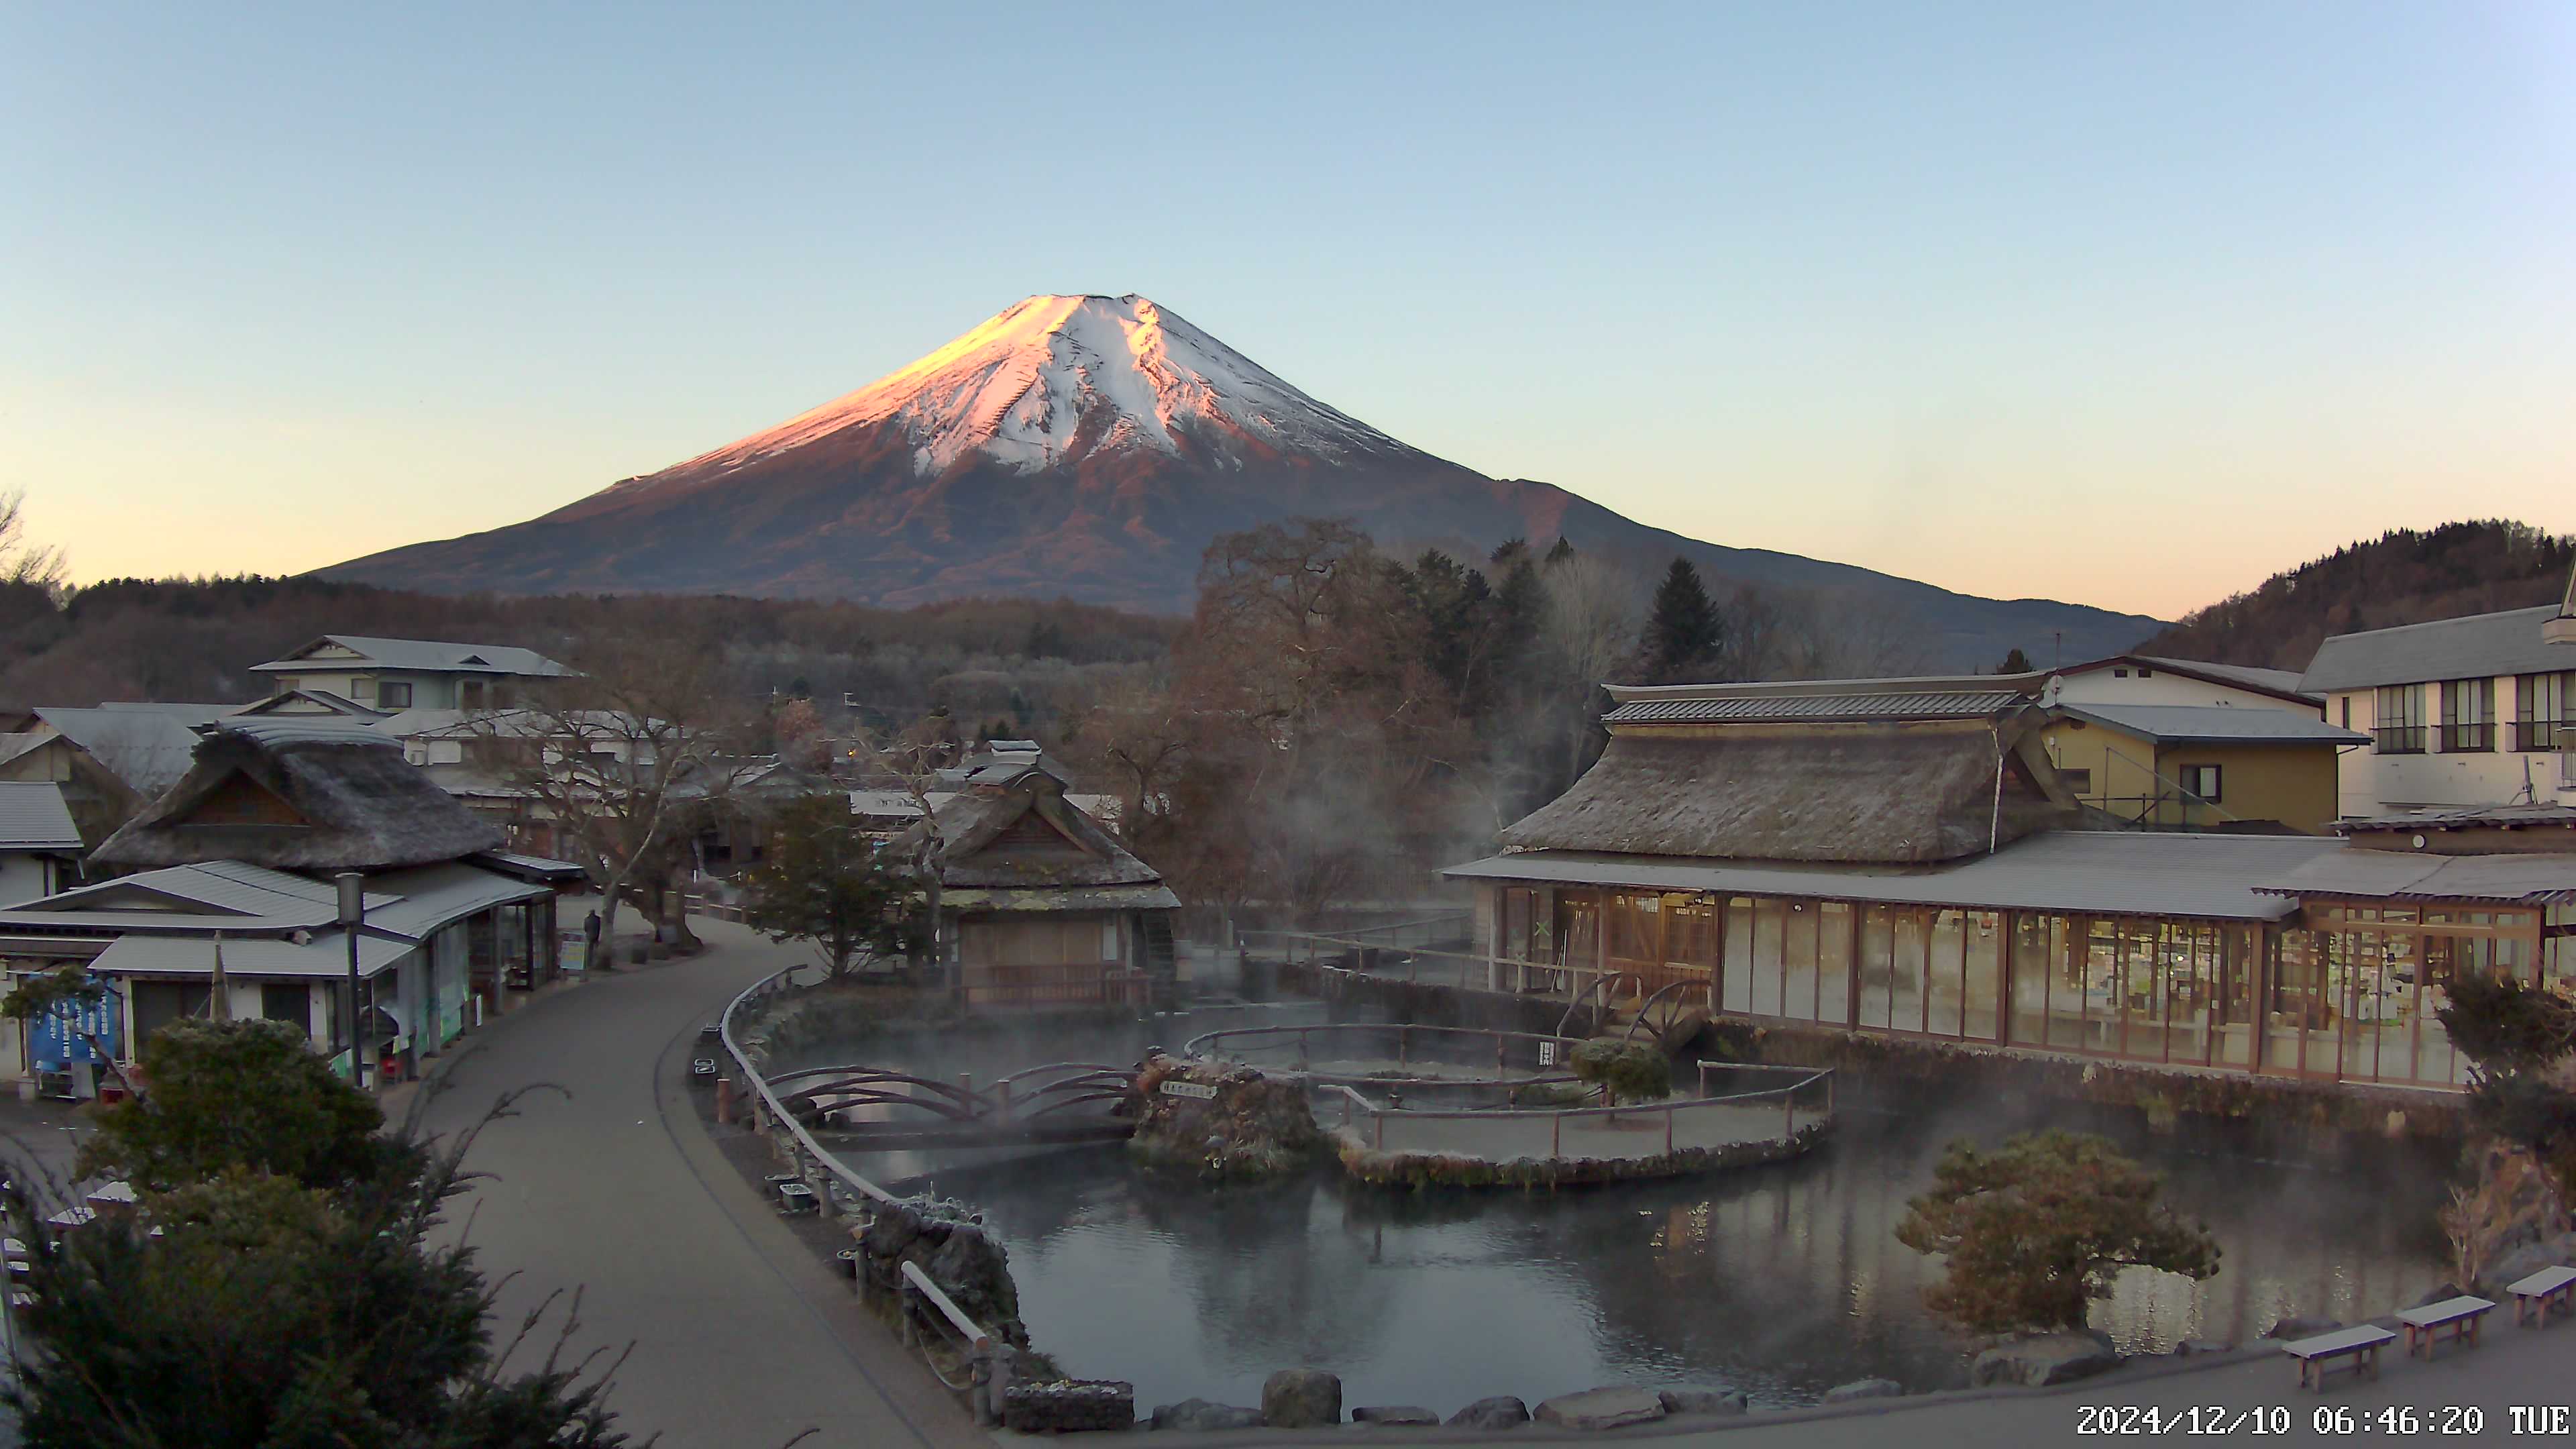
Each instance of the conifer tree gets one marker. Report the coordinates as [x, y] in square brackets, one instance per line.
[1684, 632]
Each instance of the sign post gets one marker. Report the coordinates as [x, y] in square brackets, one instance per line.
[353, 913]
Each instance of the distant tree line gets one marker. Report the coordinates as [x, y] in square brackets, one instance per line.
[2404, 576]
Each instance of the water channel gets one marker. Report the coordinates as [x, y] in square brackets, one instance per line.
[1781, 1281]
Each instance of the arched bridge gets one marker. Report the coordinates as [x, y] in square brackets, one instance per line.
[878, 1109]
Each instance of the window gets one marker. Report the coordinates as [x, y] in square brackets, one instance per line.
[2346, 702]
[2543, 705]
[393, 694]
[2398, 728]
[2079, 781]
[471, 694]
[2119, 674]
[2145, 673]
[2468, 716]
[2201, 780]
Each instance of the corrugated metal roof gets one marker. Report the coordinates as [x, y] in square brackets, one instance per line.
[2470, 817]
[148, 749]
[292, 729]
[431, 896]
[431, 655]
[326, 956]
[2215, 724]
[2138, 873]
[2279, 681]
[2476, 647]
[33, 817]
[1944, 704]
[2392, 875]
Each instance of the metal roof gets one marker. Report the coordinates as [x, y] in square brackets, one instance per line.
[33, 817]
[326, 955]
[2470, 817]
[2476, 647]
[2278, 681]
[2214, 724]
[431, 896]
[427, 655]
[2133, 873]
[147, 748]
[292, 729]
[1735, 709]
[2393, 875]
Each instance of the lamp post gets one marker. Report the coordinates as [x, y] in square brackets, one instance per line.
[353, 913]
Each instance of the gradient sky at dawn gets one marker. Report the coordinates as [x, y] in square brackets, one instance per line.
[2127, 307]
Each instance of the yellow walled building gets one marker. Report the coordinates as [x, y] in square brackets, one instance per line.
[2200, 767]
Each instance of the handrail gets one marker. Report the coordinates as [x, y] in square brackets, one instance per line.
[806, 1147]
[1598, 982]
[967, 1328]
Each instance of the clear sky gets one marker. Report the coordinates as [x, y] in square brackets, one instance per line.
[2126, 305]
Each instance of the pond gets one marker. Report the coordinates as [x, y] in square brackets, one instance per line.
[1781, 1281]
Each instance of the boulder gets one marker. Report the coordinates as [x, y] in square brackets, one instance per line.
[1301, 1398]
[2043, 1359]
[2440, 1292]
[2194, 1347]
[1864, 1389]
[2516, 1264]
[1251, 1127]
[1399, 1414]
[1614, 1407]
[1198, 1415]
[1703, 1401]
[1500, 1412]
[2295, 1326]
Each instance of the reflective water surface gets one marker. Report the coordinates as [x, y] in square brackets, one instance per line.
[1782, 1281]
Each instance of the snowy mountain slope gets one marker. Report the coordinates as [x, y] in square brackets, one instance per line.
[1090, 448]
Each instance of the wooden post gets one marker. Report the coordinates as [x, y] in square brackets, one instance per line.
[1789, 1112]
[1556, 1134]
[1002, 1102]
[1378, 1134]
[1829, 1093]
[1668, 1129]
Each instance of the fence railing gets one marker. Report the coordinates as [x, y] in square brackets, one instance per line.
[1514, 1058]
[1710, 1120]
[833, 1183]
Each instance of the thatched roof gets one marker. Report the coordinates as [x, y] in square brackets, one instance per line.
[1022, 834]
[300, 795]
[1878, 793]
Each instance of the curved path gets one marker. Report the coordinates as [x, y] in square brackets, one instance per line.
[741, 1337]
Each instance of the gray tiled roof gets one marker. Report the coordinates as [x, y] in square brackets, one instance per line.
[33, 817]
[2280, 681]
[2215, 724]
[428, 655]
[2142, 873]
[2476, 647]
[1733, 709]
[148, 748]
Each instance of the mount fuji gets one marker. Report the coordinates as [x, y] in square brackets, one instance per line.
[1090, 448]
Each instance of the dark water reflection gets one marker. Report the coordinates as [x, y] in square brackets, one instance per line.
[1781, 1281]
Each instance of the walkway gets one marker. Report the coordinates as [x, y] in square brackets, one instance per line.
[742, 1337]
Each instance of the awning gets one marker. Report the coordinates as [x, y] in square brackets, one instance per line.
[326, 956]
[2389, 875]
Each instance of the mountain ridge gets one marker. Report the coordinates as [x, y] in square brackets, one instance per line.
[1090, 447]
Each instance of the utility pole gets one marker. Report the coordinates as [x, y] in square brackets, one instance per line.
[353, 913]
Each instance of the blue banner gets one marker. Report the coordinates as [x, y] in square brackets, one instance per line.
[61, 1036]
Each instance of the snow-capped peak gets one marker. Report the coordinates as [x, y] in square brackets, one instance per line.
[1059, 377]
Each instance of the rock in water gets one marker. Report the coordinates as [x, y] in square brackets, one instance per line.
[2051, 1358]
[1703, 1401]
[1399, 1414]
[1252, 1127]
[1301, 1398]
[1615, 1407]
[1500, 1412]
[1198, 1416]
[1864, 1389]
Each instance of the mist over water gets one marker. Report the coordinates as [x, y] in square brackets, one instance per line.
[1782, 1281]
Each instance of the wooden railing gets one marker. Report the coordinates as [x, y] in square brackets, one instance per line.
[1514, 1131]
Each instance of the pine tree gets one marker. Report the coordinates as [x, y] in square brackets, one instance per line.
[2015, 662]
[1684, 633]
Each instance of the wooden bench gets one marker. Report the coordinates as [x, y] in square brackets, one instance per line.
[2536, 1295]
[2460, 1315]
[2316, 1355]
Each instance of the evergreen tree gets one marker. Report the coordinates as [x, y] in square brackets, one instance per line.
[2015, 662]
[1564, 550]
[1684, 632]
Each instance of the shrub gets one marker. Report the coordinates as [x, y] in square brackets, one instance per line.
[1631, 1071]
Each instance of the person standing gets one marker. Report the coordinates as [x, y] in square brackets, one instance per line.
[590, 942]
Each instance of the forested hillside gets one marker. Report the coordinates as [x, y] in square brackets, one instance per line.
[1009, 661]
[2404, 576]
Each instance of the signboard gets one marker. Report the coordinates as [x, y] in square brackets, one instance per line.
[61, 1036]
[1189, 1089]
[1547, 1054]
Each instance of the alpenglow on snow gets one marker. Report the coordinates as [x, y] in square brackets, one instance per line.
[1056, 378]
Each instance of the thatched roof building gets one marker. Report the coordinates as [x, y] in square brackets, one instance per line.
[1017, 844]
[299, 794]
[1865, 772]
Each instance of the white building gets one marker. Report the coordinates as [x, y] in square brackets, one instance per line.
[40, 848]
[389, 675]
[2461, 712]
[2143, 679]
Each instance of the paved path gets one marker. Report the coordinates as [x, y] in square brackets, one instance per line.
[742, 1337]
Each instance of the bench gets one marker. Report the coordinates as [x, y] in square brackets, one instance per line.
[2460, 1315]
[2316, 1355]
[2536, 1295]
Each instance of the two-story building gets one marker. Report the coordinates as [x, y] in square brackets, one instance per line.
[2174, 744]
[390, 675]
[2459, 712]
